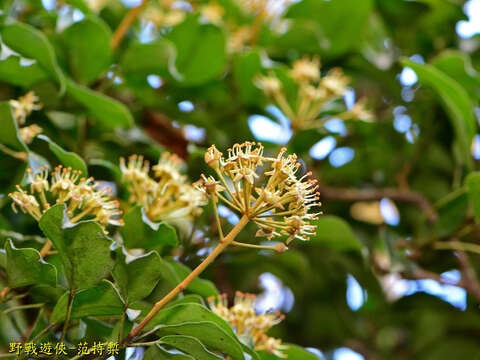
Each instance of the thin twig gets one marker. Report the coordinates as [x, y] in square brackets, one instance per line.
[349, 194]
[469, 276]
[127, 21]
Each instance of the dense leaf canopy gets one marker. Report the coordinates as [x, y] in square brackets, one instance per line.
[378, 99]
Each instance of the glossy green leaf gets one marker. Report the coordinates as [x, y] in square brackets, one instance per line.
[335, 233]
[9, 135]
[473, 187]
[246, 67]
[294, 352]
[13, 72]
[189, 312]
[187, 299]
[84, 248]
[149, 58]
[88, 48]
[140, 232]
[458, 66]
[33, 44]
[198, 286]
[200, 52]
[109, 112]
[457, 104]
[138, 278]
[452, 212]
[189, 345]
[328, 15]
[26, 267]
[101, 300]
[156, 352]
[67, 158]
[209, 333]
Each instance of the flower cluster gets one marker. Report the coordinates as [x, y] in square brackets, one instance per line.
[266, 190]
[167, 195]
[164, 14]
[22, 108]
[269, 9]
[84, 198]
[314, 92]
[250, 327]
[260, 12]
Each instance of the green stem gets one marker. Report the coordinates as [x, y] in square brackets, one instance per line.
[457, 245]
[217, 217]
[22, 307]
[67, 316]
[122, 322]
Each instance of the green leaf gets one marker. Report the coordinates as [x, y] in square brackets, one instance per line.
[246, 67]
[9, 135]
[111, 167]
[140, 232]
[187, 299]
[109, 112]
[473, 187]
[458, 66]
[335, 233]
[156, 352]
[189, 345]
[88, 47]
[329, 14]
[209, 333]
[101, 300]
[11, 71]
[138, 278]
[456, 101]
[83, 248]
[189, 312]
[200, 52]
[198, 286]
[26, 267]
[294, 352]
[33, 44]
[67, 158]
[452, 210]
[149, 58]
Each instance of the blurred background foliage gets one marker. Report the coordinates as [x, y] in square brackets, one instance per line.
[392, 271]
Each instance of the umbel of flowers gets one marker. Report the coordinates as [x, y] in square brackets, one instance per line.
[84, 197]
[313, 93]
[22, 108]
[250, 327]
[267, 190]
[166, 195]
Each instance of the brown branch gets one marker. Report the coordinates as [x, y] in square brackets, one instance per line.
[349, 194]
[127, 21]
[468, 281]
[469, 276]
[159, 126]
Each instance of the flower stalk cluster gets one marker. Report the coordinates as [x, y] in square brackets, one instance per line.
[267, 190]
[250, 327]
[166, 195]
[277, 200]
[22, 108]
[314, 92]
[84, 198]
